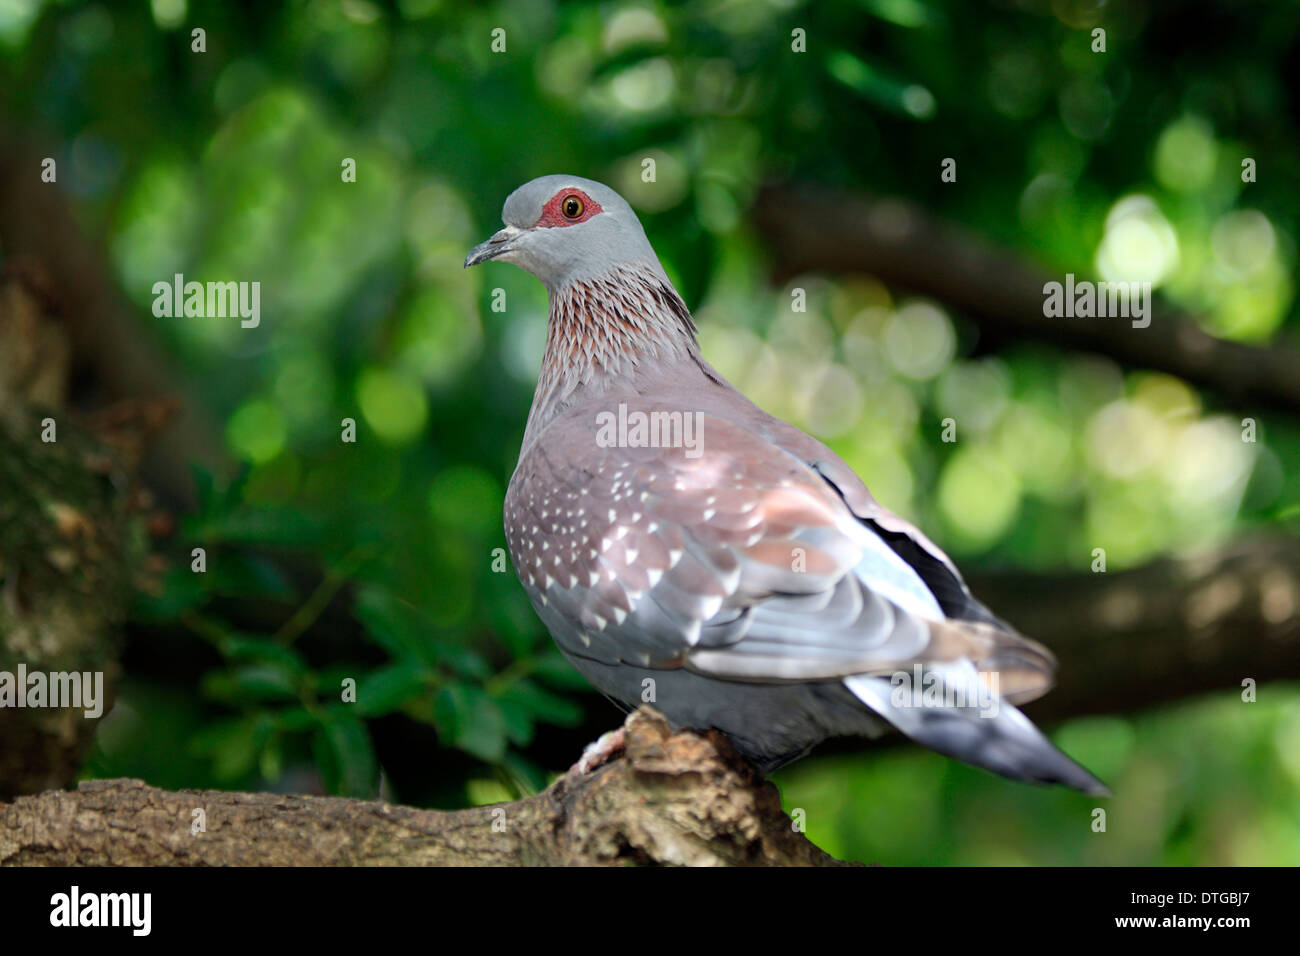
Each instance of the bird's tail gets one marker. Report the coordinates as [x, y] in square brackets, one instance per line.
[985, 730]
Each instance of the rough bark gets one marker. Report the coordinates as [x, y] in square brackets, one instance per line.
[63, 536]
[72, 542]
[65, 579]
[814, 231]
[671, 799]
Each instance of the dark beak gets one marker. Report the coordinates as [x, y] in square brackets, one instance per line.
[502, 242]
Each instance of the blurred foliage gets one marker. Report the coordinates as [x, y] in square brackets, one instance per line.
[376, 562]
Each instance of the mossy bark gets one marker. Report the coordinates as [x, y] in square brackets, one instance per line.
[67, 547]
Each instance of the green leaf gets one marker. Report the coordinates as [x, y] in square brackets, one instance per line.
[271, 763]
[346, 756]
[471, 721]
[509, 614]
[246, 575]
[233, 745]
[295, 719]
[254, 683]
[393, 624]
[463, 661]
[519, 721]
[386, 690]
[544, 705]
[261, 650]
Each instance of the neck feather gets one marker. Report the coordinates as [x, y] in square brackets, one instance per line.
[604, 330]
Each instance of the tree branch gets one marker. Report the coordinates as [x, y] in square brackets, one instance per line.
[811, 230]
[126, 360]
[1130, 639]
[674, 799]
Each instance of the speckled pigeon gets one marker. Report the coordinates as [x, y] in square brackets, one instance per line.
[687, 549]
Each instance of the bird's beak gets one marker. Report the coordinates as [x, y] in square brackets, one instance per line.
[501, 242]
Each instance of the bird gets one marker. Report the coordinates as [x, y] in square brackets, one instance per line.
[688, 550]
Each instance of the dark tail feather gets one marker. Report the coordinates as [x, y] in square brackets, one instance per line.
[1001, 739]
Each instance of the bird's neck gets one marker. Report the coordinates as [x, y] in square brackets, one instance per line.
[606, 331]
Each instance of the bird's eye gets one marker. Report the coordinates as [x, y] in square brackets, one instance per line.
[571, 207]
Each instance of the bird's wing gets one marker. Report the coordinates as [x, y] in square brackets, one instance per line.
[735, 559]
[906, 540]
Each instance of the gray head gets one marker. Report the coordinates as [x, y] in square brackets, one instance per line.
[562, 228]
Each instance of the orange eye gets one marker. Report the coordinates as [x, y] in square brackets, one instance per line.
[571, 207]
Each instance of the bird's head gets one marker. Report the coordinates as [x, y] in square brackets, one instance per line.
[566, 228]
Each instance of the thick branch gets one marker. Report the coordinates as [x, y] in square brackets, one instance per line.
[809, 230]
[106, 335]
[672, 799]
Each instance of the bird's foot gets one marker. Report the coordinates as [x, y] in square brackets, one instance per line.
[600, 752]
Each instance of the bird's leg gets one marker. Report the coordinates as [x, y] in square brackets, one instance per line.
[599, 752]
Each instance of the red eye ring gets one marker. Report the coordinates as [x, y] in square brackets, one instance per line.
[568, 207]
